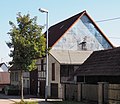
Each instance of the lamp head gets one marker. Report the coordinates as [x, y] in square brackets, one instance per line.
[43, 10]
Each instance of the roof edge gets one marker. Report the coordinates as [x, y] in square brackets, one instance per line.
[82, 13]
[99, 30]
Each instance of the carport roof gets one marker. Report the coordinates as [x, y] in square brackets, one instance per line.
[70, 57]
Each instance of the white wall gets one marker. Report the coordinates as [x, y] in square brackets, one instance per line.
[57, 75]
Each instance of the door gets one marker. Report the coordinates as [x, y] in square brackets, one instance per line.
[42, 88]
[54, 90]
[33, 82]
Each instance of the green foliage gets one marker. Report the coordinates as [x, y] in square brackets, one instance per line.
[27, 42]
[11, 90]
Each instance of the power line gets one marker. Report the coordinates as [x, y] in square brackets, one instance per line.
[114, 37]
[111, 19]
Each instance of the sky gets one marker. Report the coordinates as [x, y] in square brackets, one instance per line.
[59, 10]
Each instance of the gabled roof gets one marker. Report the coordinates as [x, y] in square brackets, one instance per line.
[1, 64]
[58, 30]
[3, 67]
[103, 63]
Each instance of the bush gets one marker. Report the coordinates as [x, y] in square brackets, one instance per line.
[11, 90]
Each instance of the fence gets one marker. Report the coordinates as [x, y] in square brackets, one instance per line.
[114, 93]
[88, 90]
[70, 91]
[103, 93]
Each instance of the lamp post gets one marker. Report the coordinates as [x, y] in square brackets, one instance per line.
[46, 87]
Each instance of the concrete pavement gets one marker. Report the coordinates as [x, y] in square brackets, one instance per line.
[11, 99]
[5, 101]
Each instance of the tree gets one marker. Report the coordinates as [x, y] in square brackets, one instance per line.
[27, 43]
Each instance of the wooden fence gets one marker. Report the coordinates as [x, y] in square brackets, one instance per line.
[114, 93]
[89, 92]
[70, 91]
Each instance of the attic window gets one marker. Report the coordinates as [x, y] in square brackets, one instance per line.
[61, 26]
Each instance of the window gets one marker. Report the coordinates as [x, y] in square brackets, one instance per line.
[12, 76]
[28, 84]
[53, 71]
[66, 70]
[16, 76]
[42, 64]
[24, 81]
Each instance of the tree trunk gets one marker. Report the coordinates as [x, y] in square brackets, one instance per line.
[22, 85]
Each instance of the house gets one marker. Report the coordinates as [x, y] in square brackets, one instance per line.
[62, 64]
[4, 76]
[15, 78]
[71, 42]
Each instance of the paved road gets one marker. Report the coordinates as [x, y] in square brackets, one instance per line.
[11, 99]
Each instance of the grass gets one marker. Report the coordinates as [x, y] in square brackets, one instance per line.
[26, 102]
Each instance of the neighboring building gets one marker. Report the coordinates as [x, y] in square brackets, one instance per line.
[101, 66]
[4, 76]
[16, 80]
[71, 42]
[3, 67]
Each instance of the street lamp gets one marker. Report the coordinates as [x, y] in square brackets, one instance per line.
[46, 87]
